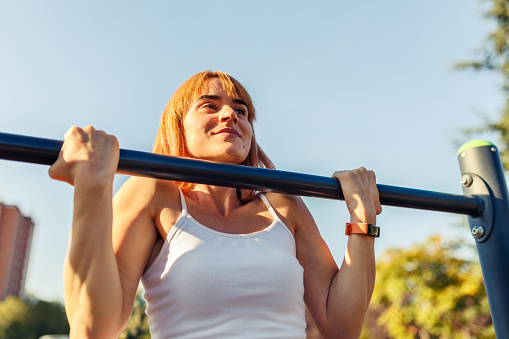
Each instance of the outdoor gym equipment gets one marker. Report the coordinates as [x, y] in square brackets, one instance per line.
[485, 201]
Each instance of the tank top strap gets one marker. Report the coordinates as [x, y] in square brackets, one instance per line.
[269, 206]
[182, 201]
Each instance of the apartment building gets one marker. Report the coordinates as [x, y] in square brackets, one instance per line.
[15, 241]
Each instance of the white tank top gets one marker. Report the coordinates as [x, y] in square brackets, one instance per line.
[209, 284]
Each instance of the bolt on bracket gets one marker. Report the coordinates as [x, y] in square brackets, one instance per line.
[481, 225]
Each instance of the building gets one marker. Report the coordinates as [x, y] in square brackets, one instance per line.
[15, 240]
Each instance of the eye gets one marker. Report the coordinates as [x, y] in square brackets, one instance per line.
[209, 106]
[241, 111]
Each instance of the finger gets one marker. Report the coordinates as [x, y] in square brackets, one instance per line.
[76, 131]
[56, 172]
[51, 172]
[376, 194]
[338, 174]
[378, 205]
[55, 168]
[70, 131]
[89, 129]
[372, 176]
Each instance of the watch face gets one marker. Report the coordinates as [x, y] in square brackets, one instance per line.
[374, 231]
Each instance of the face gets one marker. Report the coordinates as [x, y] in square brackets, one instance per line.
[216, 127]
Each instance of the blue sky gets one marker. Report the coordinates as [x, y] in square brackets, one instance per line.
[337, 85]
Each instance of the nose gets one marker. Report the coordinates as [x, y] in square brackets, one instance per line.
[228, 113]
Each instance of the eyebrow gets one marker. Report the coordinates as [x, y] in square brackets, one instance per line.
[217, 97]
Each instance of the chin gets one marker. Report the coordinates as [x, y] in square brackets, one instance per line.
[232, 156]
[229, 156]
[232, 159]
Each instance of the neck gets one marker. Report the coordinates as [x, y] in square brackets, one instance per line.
[224, 199]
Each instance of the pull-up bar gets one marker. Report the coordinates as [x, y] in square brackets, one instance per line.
[486, 200]
[45, 152]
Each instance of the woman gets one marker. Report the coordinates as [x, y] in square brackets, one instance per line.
[215, 262]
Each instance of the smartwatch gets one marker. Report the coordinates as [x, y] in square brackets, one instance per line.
[362, 228]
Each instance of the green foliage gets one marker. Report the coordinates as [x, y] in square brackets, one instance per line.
[137, 327]
[494, 57]
[13, 312]
[48, 318]
[31, 318]
[495, 51]
[429, 291]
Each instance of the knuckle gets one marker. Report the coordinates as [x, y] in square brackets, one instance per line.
[351, 174]
[102, 134]
[347, 174]
[72, 129]
[89, 129]
[113, 139]
[336, 174]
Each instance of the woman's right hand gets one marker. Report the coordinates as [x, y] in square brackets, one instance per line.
[87, 156]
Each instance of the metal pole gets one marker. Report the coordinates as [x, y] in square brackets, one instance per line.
[45, 151]
[483, 175]
[486, 200]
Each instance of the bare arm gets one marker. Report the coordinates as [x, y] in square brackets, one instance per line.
[93, 291]
[98, 298]
[338, 298]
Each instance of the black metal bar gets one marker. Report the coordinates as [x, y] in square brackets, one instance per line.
[483, 175]
[45, 151]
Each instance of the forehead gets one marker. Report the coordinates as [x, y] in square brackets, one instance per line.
[212, 85]
[218, 87]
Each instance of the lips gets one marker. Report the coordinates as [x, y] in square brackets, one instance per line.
[228, 130]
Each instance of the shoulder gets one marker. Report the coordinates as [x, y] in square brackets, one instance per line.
[134, 232]
[137, 210]
[141, 189]
[291, 209]
[285, 201]
[146, 194]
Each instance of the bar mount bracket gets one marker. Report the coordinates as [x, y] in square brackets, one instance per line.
[481, 225]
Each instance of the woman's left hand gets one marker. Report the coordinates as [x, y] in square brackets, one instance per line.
[361, 194]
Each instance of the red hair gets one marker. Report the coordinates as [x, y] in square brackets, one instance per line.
[170, 139]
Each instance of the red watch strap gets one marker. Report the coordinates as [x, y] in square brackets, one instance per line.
[362, 228]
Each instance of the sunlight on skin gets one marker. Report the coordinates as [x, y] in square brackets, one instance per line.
[348, 260]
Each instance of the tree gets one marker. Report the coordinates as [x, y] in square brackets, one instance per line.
[31, 318]
[137, 327]
[13, 312]
[48, 318]
[494, 57]
[429, 291]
